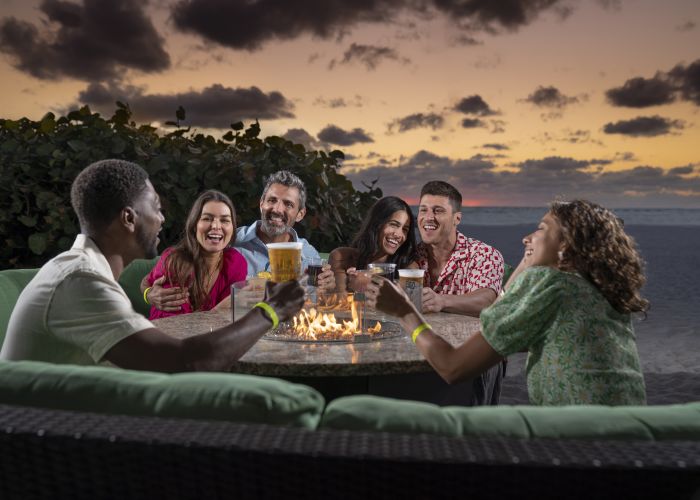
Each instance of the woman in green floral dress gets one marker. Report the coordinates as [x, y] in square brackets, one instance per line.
[568, 304]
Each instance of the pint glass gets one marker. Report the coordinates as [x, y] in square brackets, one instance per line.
[285, 261]
[411, 281]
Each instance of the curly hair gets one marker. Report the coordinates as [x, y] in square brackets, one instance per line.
[185, 266]
[103, 189]
[597, 246]
[367, 238]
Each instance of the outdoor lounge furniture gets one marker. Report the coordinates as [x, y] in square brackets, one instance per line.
[100, 432]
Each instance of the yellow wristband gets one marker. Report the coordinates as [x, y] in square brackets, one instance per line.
[418, 330]
[145, 295]
[270, 313]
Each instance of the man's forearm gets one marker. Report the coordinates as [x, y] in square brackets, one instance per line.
[216, 351]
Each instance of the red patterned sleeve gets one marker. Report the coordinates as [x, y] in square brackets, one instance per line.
[486, 268]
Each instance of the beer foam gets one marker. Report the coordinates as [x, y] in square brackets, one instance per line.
[411, 273]
[289, 245]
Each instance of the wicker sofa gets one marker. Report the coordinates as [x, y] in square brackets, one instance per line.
[99, 432]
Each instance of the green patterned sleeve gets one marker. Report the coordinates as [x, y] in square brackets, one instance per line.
[526, 312]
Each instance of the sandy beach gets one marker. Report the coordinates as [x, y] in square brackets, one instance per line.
[668, 340]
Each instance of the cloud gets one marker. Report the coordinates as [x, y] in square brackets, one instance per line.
[537, 181]
[687, 80]
[686, 26]
[465, 40]
[625, 156]
[301, 136]
[474, 105]
[473, 123]
[510, 15]
[369, 55]
[95, 40]
[550, 97]
[214, 106]
[681, 82]
[336, 135]
[339, 102]
[416, 120]
[247, 25]
[496, 146]
[642, 92]
[644, 126]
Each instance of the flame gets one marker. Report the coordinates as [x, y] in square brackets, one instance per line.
[317, 325]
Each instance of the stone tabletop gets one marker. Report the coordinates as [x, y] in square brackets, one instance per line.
[296, 359]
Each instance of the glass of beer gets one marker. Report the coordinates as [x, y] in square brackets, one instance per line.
[384, 269]
[285, 261]
[411, 281]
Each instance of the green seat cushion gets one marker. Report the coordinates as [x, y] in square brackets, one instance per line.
[583, 422]
[12, 282]
[373, 413]
[130, 281]
[680, 421]
[206, 396]
[502, 421]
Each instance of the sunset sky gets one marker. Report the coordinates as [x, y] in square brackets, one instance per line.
[514, 102]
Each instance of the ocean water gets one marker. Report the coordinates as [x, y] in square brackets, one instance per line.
[506, 216]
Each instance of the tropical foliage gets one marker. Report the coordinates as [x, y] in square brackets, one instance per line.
[40, 159]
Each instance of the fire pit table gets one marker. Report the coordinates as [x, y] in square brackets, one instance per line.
[391, 367]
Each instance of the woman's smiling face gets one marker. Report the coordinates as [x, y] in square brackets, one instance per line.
[215, 226]
[393, 233]
[543, 245]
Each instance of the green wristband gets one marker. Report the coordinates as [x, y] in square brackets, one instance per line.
[145, 295]
[270, 313]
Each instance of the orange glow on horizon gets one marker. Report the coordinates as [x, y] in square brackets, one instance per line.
[465, 203]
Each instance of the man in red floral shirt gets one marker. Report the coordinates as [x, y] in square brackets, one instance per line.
[463, 275]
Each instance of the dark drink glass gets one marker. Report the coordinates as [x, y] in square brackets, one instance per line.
[314, 268]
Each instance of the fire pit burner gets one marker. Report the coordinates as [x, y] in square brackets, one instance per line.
[314, 326]
[284, 333]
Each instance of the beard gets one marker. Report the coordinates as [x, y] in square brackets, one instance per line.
[273, 230]
[147, 243]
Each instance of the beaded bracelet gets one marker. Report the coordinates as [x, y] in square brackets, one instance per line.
[418, 330]
[145, 295]
[270, 313]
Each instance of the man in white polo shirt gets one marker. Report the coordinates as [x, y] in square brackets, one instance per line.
[74, 311]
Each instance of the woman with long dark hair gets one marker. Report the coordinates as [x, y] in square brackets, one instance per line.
[197, 273]
[568, 303]
[387, 235]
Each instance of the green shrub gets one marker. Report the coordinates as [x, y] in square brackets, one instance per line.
[40, 159]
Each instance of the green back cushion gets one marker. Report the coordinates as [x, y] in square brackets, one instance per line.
[130, 281]
[12, 282]
[207, 396]
[389, 415]
[645, 423]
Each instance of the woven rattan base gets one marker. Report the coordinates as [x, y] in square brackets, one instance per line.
[64, 454]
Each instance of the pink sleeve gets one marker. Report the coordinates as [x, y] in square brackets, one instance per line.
[486, 269]
[238, 268]
[159, 269]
